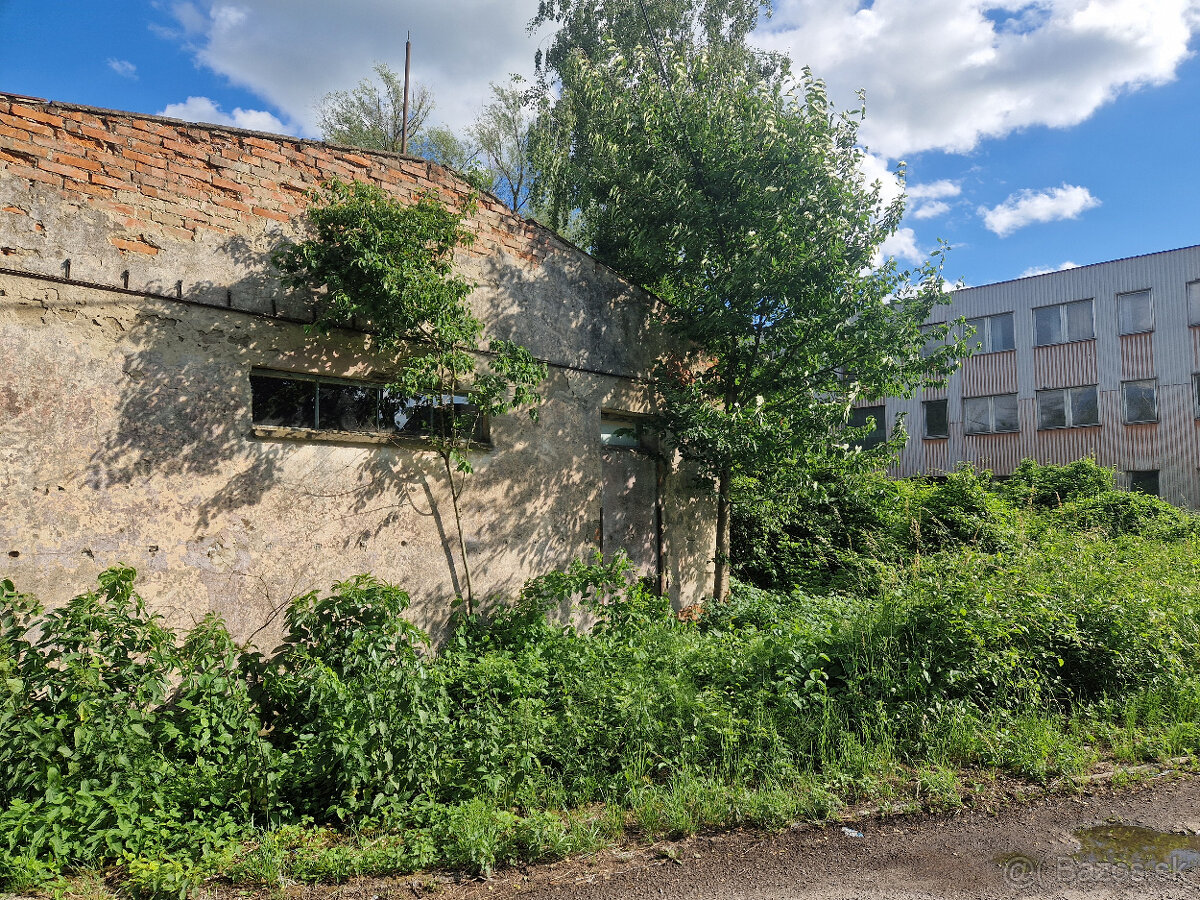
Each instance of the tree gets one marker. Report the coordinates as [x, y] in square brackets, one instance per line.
[719, 180]
[501, 132]
[372, 114]
[391, 265]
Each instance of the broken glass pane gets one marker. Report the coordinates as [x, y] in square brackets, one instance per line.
[977, 415]
[1133, 312]
[1004, 413]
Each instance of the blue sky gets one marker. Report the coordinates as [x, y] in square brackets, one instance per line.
[1036, 134]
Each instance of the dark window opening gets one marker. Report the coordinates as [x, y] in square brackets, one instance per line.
[860, 417]
[937, 418]
[1145, 482]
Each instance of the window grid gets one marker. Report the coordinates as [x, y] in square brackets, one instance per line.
[1073, 407]
[1135, 312]
[1139, 400]
[1064, 323]
[991, 415]
[993, 334]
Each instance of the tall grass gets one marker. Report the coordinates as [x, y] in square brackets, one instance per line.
[997, 632]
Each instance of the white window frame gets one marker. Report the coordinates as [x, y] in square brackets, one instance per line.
[925, 433]
[1125, 295]
[1062, 322]
[984, 335]
[991, 398]
[1125, 402]
[1067, 407]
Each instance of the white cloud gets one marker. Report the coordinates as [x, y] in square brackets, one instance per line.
[944, 74]
[1037, 270]
[202, 109]
[902, 245]
[934, 190]
[1028, 206]
[930, 209]
[292, 52]
[123, 67]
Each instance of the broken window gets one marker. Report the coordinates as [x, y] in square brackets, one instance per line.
[990, 415]
[1068, 407]
[1063, 323]
[1134, 314]
[1141, 401]
[292, 400]
[937, 418]
[992, 333]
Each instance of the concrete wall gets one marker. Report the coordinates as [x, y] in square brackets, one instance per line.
[125, 424]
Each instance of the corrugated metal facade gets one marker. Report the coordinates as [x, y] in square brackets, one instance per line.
[1170, 355]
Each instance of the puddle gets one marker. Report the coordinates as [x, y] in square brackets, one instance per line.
[1134, 847]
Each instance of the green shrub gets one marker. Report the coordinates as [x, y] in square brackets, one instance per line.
[1041, 486]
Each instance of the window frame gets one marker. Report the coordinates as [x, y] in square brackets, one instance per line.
[481, 440]
[1192, 293]
[925, 433]
[1132, 475]
[1067, 407]
[636, 423]
[1125, 402]
[1062, 322]
[985, 336]
[1149, 307]
[1196, 394]
[991, 398]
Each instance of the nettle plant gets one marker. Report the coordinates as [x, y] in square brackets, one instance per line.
[391, 265]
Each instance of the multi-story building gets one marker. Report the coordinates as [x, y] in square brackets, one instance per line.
[1100, 360]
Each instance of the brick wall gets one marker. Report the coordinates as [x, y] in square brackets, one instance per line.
[170, 181]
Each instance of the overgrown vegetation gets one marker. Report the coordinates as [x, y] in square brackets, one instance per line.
[943, 632]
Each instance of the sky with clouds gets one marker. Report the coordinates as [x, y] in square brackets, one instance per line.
[1036, 135]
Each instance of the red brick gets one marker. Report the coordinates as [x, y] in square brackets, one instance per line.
[99, 134]
[136, 245]
[26, 112]
[15, 210]
[231, 204]
[271, 214]
[78, 162]
[91, 189]
[226, 185]
[108, 181]
[21, 135]
[142, 159]
[260, 143]
[33, 174]
[25, 124]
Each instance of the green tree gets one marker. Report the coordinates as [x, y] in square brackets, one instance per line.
[501, 133]
[372, 114]
[726, 184]
[391, 265]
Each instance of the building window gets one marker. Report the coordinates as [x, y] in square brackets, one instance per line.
[621, 431]
[1140, 399]
[859, 418]
[290, 400]
[1144, 481]
[937, 418]
[992, 333]
[1196, 394]
[1068, 407]
[990, 415]
[1134, 314]
[1063, 323]
[1193, 300]
[932, 344]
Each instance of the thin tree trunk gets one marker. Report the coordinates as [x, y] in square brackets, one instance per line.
[724, 505]
[462, 542]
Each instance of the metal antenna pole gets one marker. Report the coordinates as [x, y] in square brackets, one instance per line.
[404, 122]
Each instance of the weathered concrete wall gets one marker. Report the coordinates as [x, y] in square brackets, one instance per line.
[125, 423]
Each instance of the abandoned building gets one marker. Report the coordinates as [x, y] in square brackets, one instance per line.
[1100, 360]
[145, 339]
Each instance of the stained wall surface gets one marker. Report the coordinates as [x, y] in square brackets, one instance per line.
[136, 296]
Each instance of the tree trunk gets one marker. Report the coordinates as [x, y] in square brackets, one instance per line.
[724, 505]
[462, 542]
